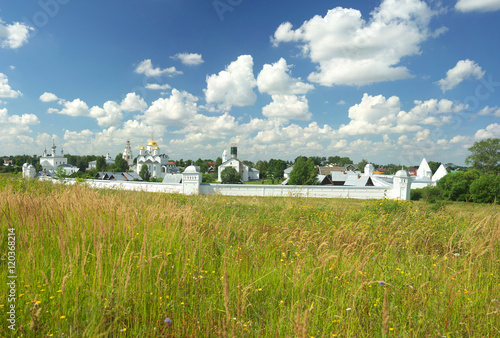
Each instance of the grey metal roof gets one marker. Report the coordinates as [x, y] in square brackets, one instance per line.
[172, 179]
[358, 181]
[323, 180]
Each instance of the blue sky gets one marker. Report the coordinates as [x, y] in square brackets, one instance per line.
[390, 81]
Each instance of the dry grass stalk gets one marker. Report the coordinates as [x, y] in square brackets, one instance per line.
[385, 314]
[225, 292]
[46, 280]
[63, 284]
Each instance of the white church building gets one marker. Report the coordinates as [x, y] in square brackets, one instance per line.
[246, 173]
[50, 162]
[157, 163]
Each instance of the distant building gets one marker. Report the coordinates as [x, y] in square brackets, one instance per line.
[127, 154]
[109, 161]
[158, 164]
[50, 163]
[246, 173]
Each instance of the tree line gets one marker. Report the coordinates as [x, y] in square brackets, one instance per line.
[480, 183]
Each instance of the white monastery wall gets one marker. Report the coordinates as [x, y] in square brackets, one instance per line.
[290, 191]
[191, 184]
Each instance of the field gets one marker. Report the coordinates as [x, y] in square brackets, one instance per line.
[93, 263]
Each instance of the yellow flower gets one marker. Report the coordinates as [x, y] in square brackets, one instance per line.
[62, 317]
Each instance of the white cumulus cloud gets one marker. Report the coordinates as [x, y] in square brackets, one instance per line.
[146, 68]
[133, 102]
[288, 107]
[491, 131]
[276, 79]
[48, 97]
[490, 111]
[373, 115]
[15, 126]
[477, 5]
[464, 69]
[234, 85]
[352, 51]
[76, 107]
[6, 90]
[13, 35]
[175, 110]
[109, 115]
[189, 59]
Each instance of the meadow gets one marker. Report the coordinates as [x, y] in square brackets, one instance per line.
[105, 263]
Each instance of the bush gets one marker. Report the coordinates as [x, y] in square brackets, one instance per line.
[230, 175]
[432, 194]
[456, 186]
[209, 178]
[485, 189]
[416, 194]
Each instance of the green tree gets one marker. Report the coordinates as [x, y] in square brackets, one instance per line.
[120, 163]
[486, 189]
[261, 166]
[204, 167]
[230, 176]
[144, 173]
[275, 168]
[100, 163]
[434, 166]
[362, 164]
[218, 162]
[303, 173]
[456, 186]
[485, 155]
[60, 174]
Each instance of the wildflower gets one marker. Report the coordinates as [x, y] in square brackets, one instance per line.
[382, 283]
[62, 317]
[348, 309]
[168, 321]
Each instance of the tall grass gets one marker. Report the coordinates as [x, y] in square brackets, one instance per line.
[98, 263]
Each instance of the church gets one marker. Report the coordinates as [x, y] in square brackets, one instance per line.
[157, 163]
[246, 173]
[51, 162]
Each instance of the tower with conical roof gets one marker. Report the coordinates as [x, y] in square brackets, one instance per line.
[424, 171]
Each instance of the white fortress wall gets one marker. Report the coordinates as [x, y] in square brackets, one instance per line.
[191, 184]
[289, 191]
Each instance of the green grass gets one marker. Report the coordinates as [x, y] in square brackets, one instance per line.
[116, 263]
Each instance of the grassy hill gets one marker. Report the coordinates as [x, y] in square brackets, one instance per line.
[109, 263]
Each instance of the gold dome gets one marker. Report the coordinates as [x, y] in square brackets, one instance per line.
[142, 148]
[152, 144]
[157, 148]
